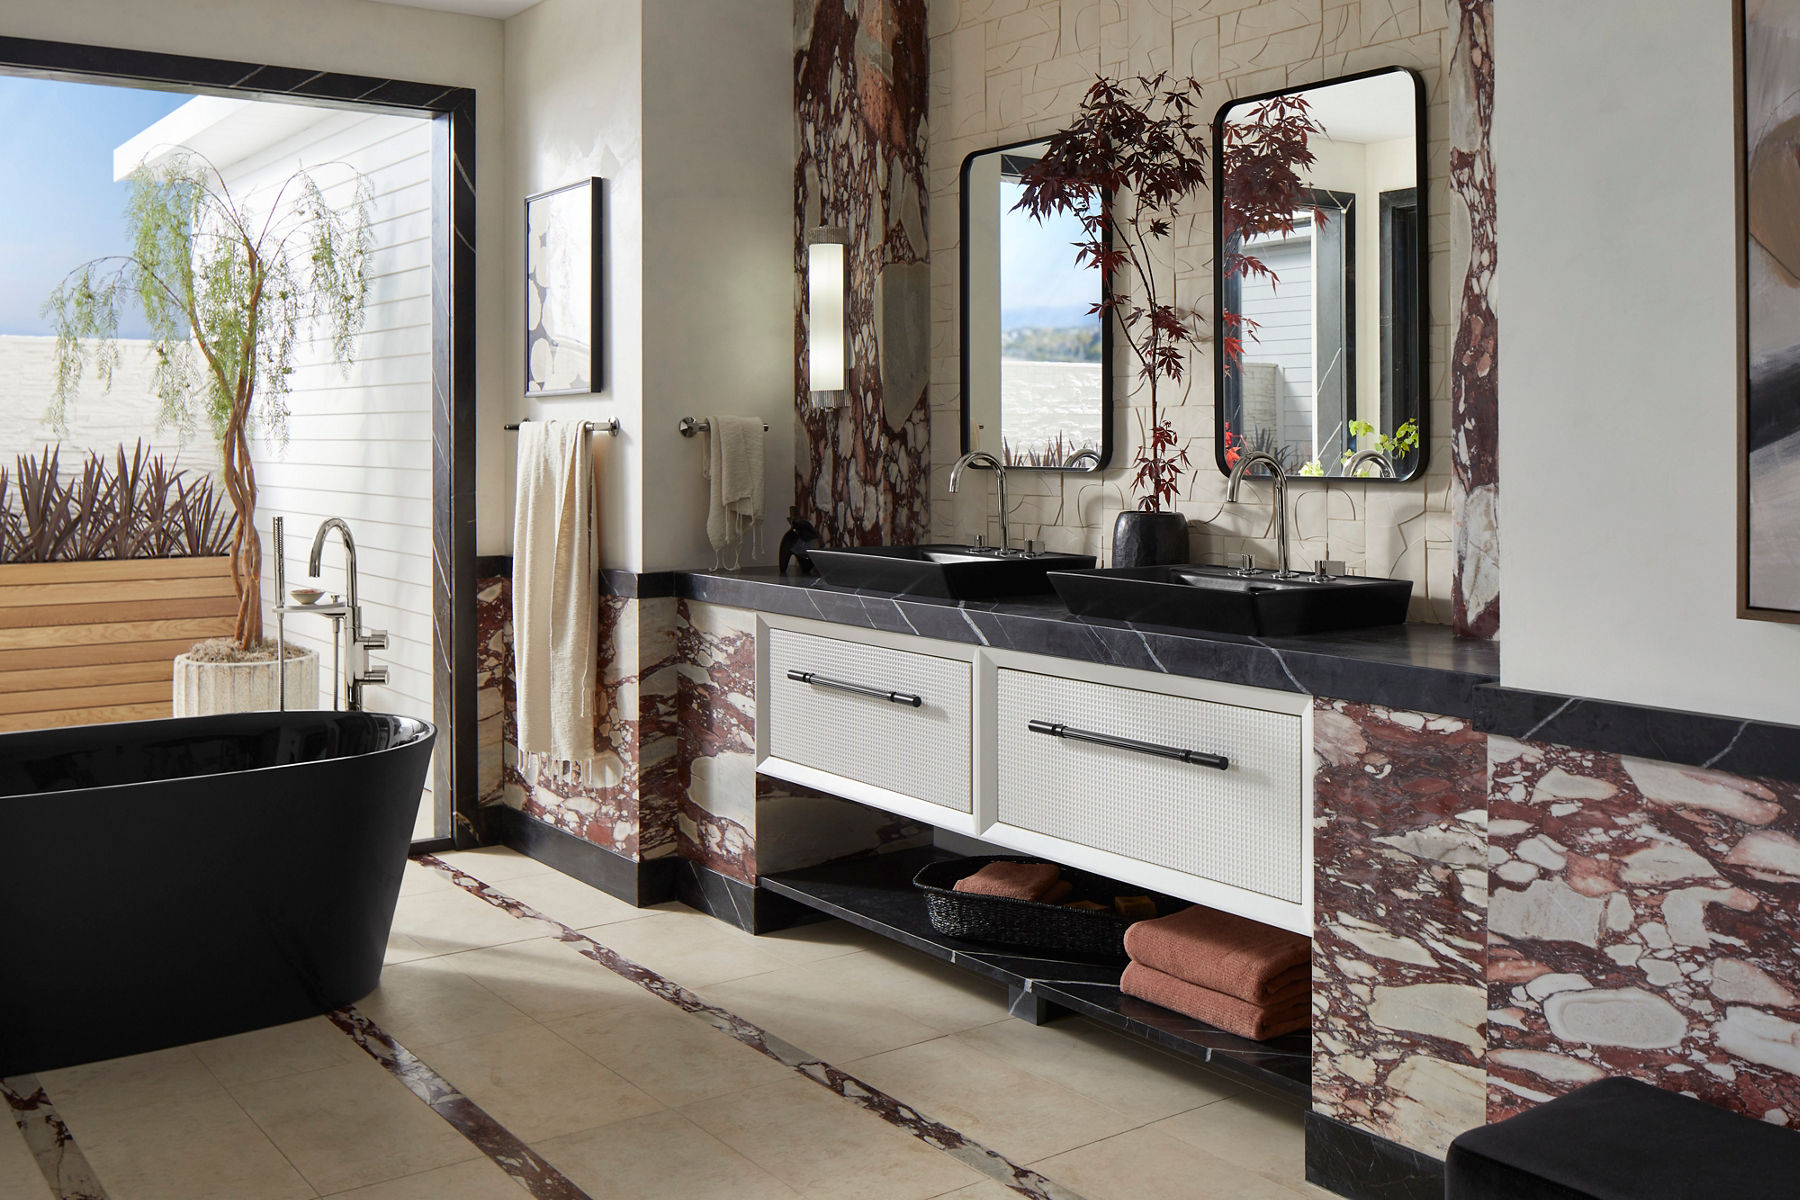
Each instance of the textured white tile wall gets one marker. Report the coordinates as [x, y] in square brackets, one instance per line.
[1005, 70]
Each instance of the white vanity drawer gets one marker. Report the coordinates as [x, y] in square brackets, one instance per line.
[1244, 826]
[848, 709]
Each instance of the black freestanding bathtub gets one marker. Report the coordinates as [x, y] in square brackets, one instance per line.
[164, 882]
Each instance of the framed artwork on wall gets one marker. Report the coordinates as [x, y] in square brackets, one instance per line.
[563, 273]
[1768, 193]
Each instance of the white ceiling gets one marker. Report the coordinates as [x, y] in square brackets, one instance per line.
[473, 8]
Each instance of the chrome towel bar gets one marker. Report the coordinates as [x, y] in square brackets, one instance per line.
[609, 427]
[689, 426]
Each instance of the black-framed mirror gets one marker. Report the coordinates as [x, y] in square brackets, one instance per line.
[1321, 302]
[1036, 388]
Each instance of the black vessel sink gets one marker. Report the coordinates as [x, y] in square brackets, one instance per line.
[1219, 600]
[948, 571]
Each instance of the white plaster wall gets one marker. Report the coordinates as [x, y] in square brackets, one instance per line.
[1001, 72]
[575, 109]
[358, 37]
[1618, 427]
[719, 277]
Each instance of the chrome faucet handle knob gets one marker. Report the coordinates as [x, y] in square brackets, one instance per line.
[979, 539]
[1328, 568]
[374, 639]
[374, 675]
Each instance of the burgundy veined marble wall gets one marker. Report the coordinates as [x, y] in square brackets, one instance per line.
[627, 799]
[861, 470]
[1645, 921]
[1475, 358]
[1400, 877]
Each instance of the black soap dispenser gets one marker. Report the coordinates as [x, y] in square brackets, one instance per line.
[798, 542]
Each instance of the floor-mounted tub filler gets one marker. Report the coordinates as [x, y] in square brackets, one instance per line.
[171, 881]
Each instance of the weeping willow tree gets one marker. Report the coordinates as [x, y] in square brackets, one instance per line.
[230, 287]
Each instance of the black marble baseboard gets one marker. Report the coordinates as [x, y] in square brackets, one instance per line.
[1752, 748]
[1425, 668]
[643, 883]
[1343, 1159]
[751, 909]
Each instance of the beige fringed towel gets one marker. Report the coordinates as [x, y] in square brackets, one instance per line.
[554, 612]
[734, 469]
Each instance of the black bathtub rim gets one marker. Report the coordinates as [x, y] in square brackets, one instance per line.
[428, 733]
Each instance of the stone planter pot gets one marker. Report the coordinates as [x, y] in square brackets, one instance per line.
[1149, 539]
[206, 688]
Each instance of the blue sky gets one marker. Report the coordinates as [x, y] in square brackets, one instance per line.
[1037, 265]
[59, 205]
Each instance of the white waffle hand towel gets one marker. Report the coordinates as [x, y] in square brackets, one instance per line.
[554, 611]
[734, 468]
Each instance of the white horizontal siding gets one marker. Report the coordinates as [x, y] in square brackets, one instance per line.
[359, 441]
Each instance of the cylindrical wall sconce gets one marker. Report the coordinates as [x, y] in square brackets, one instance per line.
[827, 340]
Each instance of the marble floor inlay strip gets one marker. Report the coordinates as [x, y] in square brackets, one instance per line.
[52, 1145]
[493, 1139]
[1020, 1179]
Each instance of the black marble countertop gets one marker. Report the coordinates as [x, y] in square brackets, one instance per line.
[1420, 667]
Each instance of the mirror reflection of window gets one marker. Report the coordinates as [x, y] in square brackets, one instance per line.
[1331, 359]
[1035, 388]
[1050, 352]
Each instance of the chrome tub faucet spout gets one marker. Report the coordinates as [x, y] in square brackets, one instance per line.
[360, 674]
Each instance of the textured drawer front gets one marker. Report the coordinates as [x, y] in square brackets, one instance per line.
[920, 752]
[1241, 826]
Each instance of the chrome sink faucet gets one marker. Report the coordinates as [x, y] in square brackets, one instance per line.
[984, 459]
[1261, 459]
[1383, 465]
[360, 674]
[1090, 456]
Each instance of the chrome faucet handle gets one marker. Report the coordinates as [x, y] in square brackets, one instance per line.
[978, 539]
[373, 639]
[1327, 569]
[373, 675]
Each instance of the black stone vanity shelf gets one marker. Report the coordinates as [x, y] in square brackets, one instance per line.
[877, 894]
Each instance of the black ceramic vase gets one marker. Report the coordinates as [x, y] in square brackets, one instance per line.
[1149, 539]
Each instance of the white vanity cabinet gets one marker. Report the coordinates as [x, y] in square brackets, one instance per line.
[1198, 789]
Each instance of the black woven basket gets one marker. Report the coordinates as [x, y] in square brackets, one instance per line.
[978, 918]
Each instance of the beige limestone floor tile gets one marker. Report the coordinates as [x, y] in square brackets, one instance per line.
[536, 1084]
[820, 939]
[348, 1126]
[823, 1146]
[20, 1178]
[405, 948]
[477, 1179]
[663, 1156]
[812, 1007]
[308, 1045]
[430, 1000]
[677, 1058]
[1250, 1130]
[196, 1148]
[689, 947]
[419, 879]
[933, 993]
[571, 901]
[496, 864]
[448, 921]
[134, 1082]
[1146, 1165]
[546, 979]
[1004, 1108]
[986, 1190]
[1129, 1077]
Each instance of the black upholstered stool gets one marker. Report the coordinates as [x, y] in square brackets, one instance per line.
[1624, 1140]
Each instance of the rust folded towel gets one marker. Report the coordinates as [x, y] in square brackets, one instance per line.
[1015, 881]
[1220, 951]
[1258, 1022]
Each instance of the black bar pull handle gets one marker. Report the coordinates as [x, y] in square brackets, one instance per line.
[1198, 758]
[812, 679]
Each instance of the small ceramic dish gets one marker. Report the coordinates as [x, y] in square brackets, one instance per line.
[305, 595]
